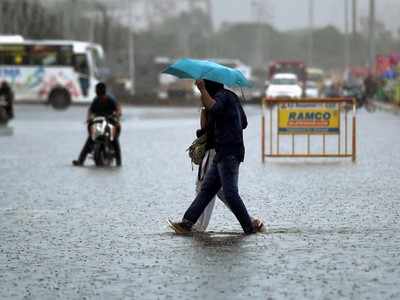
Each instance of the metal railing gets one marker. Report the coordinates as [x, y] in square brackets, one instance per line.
[305, 117]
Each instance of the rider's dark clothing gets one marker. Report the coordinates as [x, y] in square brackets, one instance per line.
[103, 107]
[370, 86]
[7, 93]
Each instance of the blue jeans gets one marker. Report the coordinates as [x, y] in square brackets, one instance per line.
[225, 174]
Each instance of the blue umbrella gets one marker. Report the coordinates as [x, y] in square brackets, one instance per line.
[187, 68]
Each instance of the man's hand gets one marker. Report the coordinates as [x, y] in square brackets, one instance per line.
[206, 99]
[116, 115]
[200, 85]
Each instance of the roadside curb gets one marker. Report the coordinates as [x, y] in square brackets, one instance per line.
[387, 106]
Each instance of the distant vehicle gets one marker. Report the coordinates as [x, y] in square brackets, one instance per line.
[289, 66]
[315, 75]
[331, 89]
[354, 90]
[312, 89]
[284, 85]
[170, 87]
[58, 72]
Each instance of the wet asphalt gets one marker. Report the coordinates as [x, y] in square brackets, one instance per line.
[101, 233]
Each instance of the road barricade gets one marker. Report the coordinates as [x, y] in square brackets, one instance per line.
[299, 122]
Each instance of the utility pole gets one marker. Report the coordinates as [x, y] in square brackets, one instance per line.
[210, 29]
[347, 35]
[209, 15]
[131, 47]
[206, 6]
[259, 11]
[310, 52]
[354, 17]
[371, 35]
[149, 14]
[66, 21]
[1, 18]
[92, 27]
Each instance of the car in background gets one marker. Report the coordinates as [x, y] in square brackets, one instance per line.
[284, 85]
[316, 75]
[331, 89]
[312, 89]
[288, 67]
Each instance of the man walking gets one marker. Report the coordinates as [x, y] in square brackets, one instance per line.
[230, 120]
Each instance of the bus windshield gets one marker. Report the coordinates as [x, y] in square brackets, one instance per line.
[81, 64]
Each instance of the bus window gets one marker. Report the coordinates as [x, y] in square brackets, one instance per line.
[13, 55]
[35, 55]
[65, 56]
[43, 55]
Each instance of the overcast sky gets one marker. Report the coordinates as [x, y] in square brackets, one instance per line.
[289, 14]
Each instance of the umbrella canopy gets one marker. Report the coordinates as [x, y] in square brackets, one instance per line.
[187, 68]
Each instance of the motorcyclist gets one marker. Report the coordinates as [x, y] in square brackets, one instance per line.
[103, 105]
[370, 86]
[7, 93]
[354, 89]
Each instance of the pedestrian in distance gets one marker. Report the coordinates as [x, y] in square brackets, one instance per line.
[228, 122]
[103, 105]
[7, 94]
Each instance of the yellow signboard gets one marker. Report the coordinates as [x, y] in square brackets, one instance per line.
[308, 120]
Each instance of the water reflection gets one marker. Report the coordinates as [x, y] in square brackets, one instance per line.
[218, 239]
[6, 131]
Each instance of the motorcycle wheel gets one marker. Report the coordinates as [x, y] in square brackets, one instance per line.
[108, 157]
[98, 155]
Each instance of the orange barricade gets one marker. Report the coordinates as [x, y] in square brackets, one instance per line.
[307, 118]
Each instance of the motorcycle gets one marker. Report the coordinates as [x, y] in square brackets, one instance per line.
[354, 91]
[103, 133]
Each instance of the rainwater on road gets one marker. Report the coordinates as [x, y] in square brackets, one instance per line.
[101, 233]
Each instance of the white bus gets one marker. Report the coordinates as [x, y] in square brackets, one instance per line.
[58, 72]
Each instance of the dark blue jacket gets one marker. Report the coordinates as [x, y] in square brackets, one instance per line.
[229, 121]
[103, 107]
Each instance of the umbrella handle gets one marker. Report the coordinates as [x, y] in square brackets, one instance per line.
[244, 98]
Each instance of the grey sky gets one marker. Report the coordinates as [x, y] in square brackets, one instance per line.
[286, 14]
[289, 14]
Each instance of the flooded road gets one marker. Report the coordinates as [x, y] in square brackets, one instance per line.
[85, 233]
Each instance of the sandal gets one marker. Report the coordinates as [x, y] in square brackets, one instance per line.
[258, 225]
